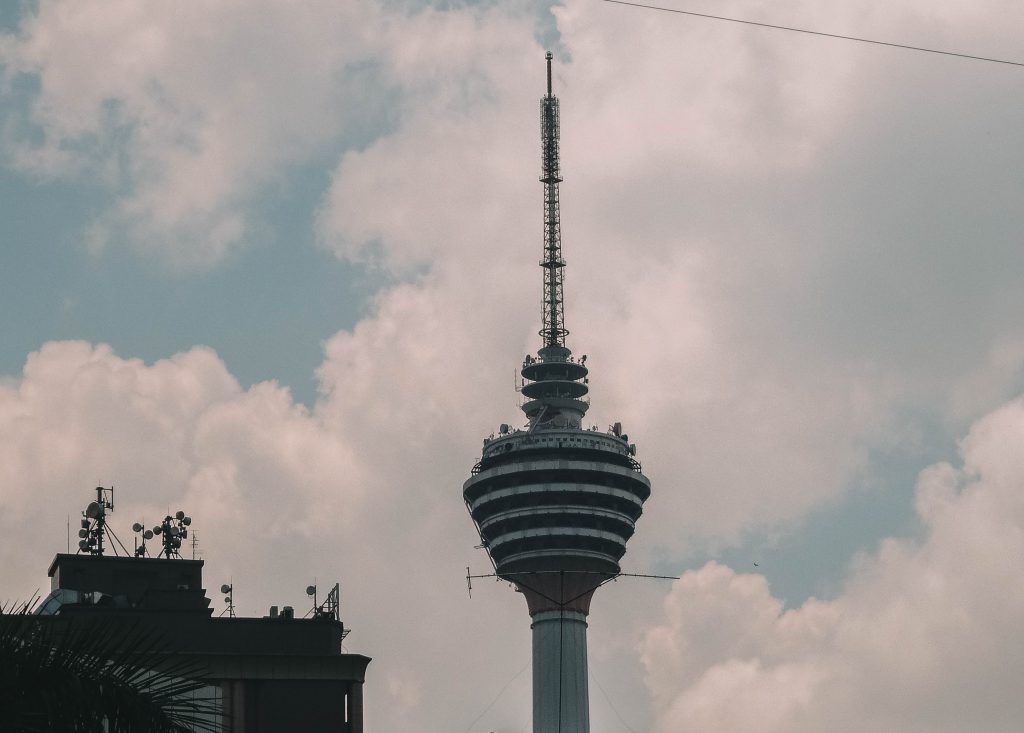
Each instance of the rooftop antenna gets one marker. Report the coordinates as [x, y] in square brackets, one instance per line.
[141, 535]
[330, 608]
[172, 531]
[228, 589]
[94, 529]
[311, 592]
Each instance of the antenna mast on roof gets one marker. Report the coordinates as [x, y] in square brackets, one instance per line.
[94, 530]
[173, 530]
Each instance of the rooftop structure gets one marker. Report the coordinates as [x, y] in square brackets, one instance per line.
[271, 674]
[555, 503]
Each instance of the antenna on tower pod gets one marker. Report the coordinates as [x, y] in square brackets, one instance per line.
[553, 331]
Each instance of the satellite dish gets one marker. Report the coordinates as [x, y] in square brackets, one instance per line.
[179, 515]
[174, 531]
[83, 545]
[83, 533]
[136, 527]
[148, 534]
[93, 510]
[85, 523]
[310, 590]
[157, 530]
[225, 588]
[187, 521]
[503, 429]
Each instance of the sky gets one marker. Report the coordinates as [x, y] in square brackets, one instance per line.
[275, 265]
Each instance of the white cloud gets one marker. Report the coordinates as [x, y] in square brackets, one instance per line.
[439, 186]
[185, 111]
[923, 637]
[81, 414]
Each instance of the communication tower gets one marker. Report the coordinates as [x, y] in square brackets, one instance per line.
[554, 502]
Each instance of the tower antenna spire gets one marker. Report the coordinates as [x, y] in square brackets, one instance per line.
[553, 331]
[548, 57]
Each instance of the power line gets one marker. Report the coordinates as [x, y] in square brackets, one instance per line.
[815, 33]
[496, 697]
[609, 701]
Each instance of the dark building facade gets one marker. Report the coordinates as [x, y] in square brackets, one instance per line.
[275, 674]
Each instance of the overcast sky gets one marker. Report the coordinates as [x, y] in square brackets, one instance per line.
[275, 264]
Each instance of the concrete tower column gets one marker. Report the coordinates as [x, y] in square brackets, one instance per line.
[561, 701]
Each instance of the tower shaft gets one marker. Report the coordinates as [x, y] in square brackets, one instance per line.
[561, 698]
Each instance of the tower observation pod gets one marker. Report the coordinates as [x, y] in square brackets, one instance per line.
[554, 502]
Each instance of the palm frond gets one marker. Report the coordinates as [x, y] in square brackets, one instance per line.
[83, 675]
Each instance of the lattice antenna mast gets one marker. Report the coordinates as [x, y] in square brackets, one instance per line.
[554, 331]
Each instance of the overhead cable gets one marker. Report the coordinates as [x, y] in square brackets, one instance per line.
[815, 33]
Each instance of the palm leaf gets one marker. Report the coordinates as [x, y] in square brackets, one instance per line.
[79, 675]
